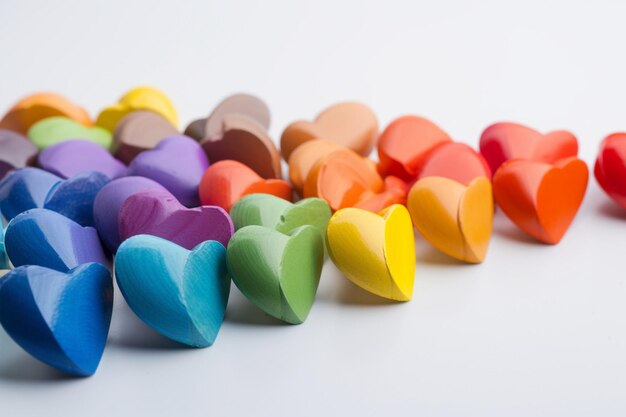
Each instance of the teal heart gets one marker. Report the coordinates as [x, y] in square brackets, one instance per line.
[181, 294]
[277, 272]
[52, 130]
[279, 214]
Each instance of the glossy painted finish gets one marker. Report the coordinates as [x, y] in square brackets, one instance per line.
[349, 124]
[177, 163]
[405, 143]
[109, 201]
[455, 161]
[46, 238]
[610, 167]
[540, 198]
[16, 151]
[139, 131]
[158, 213]
[181, 294]
[25, 189]
[244, 140]
[505, 141]
[455, 218]
[35, 107]
[72, 157]
[375, 251]
[225, 182]
[53, 130]
[61, 318]
[304, 158]
[277, 272]
[75, 196]
[139, 98]
[269, 211]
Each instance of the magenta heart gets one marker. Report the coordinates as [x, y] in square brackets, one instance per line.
[158, 213]
[177, 163]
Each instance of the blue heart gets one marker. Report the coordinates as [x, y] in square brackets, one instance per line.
[181, 294]
[4, 261]
[46, 238]
[61, 319]
[25, 189]
[74, 197]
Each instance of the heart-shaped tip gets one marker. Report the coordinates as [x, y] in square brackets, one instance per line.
[610, 167]
[62, 319]
[25, 189]
[277, 272]
[49, 239]
[181, 294]
[158, 213]
[455, 218]
[541, 199]
[53, 130]
[274, 212]
[375, 251]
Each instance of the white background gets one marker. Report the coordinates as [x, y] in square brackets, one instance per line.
[535, 330]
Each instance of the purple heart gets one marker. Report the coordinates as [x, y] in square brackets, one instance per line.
[16, 151]
[72, 157]
[177, 163]
[108, 202]
[158, 213]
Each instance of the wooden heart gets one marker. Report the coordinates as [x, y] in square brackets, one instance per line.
[158, 213]
[25, 189]
[610, 167]
[303, 159]
[53, 130]
[375, 251]
[455, 218]
[72, 157]
[505, 141]
[179, 293]
[33, 108]
[139, 131]
[61, 318]
[277, 272]
[46, 238]
[349, 124]
[16, 151]
[225, 182]
[455, 161]
[177, 163]
[139, 98]
[405, 144]
[109, 202]
[541, 199]
[244, 140]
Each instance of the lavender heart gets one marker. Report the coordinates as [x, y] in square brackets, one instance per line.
[72, 157]
[158, 213]
[177, 163]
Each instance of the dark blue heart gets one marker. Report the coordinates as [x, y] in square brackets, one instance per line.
[46, 238]
[25, 189]
[62, 319]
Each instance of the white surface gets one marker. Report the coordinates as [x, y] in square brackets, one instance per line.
[535, 330]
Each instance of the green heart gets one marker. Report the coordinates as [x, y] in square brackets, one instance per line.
[277, 272]
[52, 130]
[273, 212]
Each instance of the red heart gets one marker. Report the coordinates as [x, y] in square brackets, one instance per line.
[610, 168]
[502, 142]
[541, 199]
[455, 161]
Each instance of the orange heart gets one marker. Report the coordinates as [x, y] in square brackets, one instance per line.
[348, 124]
[504, 141]
[303, 159]
[405, 144]
[345, 179]
[33, 108]
[541, 199]
[225, 182]
[455, 161]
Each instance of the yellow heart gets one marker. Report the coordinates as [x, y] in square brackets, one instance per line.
[454, 218]
[139, 98]
[375, 251]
